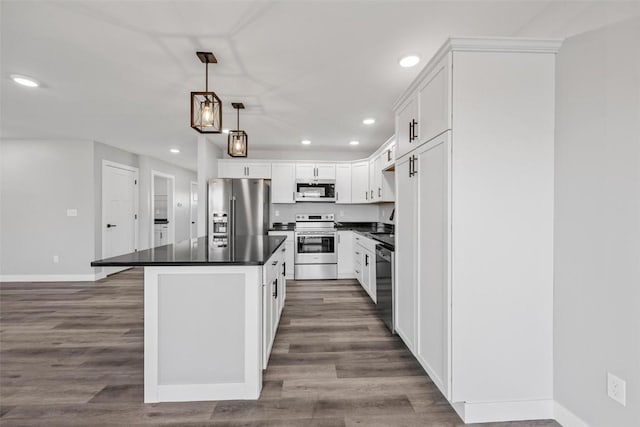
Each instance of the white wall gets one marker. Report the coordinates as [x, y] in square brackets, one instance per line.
[597, 224]
[183, 178]
[39, 181]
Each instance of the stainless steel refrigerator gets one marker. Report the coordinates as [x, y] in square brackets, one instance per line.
[237, 207]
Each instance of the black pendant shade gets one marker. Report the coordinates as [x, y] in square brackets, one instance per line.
[206, 107]
[238, 140]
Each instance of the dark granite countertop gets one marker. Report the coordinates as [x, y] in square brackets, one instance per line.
[378, 231]
[243, 250]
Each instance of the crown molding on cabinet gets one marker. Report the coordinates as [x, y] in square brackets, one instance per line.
[481, 44]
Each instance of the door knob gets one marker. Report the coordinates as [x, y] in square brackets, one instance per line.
[111, 225]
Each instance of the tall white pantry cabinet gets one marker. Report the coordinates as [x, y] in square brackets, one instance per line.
[474, 228]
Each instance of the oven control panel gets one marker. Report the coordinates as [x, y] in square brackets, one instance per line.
[315, 217]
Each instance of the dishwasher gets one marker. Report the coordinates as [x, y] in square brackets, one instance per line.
[384, 285]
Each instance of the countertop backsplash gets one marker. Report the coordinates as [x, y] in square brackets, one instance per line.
[287, 212]
[384, 213]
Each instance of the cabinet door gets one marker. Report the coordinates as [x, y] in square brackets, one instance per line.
[275, 312]
[325, 171]
[372, 276]
[345, 255]
[283, 183]
[266, 322]
[373, 190]
[433, 102]
[306, 171]
[289, 259]
[360, 182]
[259, 170]
[406, 216]
[365, 270]
[388, 156]
[232, 169]
[433, 298]
[343, 183]
[406, 131]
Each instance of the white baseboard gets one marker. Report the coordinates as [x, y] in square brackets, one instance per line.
[505, 411]
[566, 418]
[52, 277]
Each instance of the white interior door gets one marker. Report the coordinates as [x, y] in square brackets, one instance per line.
[119, 215]
[193, 219]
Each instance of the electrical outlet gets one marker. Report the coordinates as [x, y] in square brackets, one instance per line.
[617, 389]
[341, 213]
[56, 259]
[277, 213]
[72, 212]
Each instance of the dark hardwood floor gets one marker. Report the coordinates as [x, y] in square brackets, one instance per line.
[71, 354]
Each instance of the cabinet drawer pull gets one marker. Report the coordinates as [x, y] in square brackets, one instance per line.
[274, 263]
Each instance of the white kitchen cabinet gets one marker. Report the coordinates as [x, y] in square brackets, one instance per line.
[243, 169]
[365, 263]
[373, 181]
[289, 253]
[406, 250]
[283, 183]
[345, 255]
[343, 183]
[434, 101]
[433, 292]
[474, 226]
[273, 297]
[315, 171]
[389, 155]
[360, 182]
[406, 126]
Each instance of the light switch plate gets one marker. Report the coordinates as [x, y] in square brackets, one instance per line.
[617, 389]
[72, 212]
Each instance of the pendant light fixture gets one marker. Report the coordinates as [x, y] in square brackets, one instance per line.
[238, 141]
[206, 108]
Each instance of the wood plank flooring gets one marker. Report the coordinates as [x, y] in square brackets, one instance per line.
[72, 354]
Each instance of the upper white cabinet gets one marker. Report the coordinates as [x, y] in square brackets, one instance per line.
[360, 182]
[283, 183]
[231, 168]
[406, 126]
[474, 215]
[389, 154]
[315, 171]
[343, 183]
[373, 178]
[434, 95]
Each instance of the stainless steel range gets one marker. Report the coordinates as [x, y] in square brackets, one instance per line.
[316, 250]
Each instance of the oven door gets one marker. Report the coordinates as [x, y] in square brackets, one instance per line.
[315, 247]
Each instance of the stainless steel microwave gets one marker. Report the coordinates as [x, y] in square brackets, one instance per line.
[317, 191]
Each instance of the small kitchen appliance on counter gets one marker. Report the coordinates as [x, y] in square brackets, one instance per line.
[315, 247]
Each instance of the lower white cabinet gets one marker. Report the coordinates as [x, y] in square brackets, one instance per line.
[274, 290]
[289, 253]
[364, 256]
[345, 255]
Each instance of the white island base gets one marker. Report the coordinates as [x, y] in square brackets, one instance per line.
[202, 333]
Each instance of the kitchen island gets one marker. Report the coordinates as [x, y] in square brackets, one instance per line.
[211, 310]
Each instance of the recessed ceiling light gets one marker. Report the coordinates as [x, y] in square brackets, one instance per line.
[409, 61]
[369, 121]
[24, 80]
[354, 142]
[305, 142]
[225, 131]
[174, 150]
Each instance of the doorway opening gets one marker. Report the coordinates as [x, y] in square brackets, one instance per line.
[162, 209]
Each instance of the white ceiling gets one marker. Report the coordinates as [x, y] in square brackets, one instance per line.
[120, 72]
